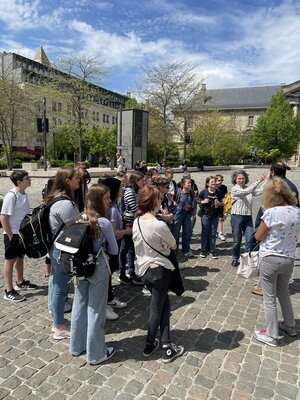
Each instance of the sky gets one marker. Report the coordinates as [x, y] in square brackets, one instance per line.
[233, 43]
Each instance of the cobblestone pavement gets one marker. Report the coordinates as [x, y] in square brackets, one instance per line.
[214, 320]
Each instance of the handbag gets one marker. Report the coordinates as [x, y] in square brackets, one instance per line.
[176, 284]
[248, 267]
[188, 208]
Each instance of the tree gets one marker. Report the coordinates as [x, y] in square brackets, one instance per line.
[101, 141]
[166, 87]
[278, 130]
[64, 141]
[16, 113]
[78, 84]
[132, 103]
[214, 140]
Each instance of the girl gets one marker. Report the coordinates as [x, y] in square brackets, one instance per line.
[63, 212]
[211, 203]
[90, 296]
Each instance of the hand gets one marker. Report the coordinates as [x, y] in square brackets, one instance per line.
[205, 201]
[262, 176]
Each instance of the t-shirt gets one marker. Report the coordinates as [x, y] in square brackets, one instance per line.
[107, 234]
[158, 235]
[62, 212]
[16, 206]
[284, 225]
[115, 216]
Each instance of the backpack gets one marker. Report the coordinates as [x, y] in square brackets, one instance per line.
[227, 204]
[35, 231]
[77, 258]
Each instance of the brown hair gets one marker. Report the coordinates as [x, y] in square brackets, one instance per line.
[147, 198]
[276, 193]
[132, 180]
[60, 184]
[95, 207]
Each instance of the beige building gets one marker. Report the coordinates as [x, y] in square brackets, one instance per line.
[244, 105]
[101, 111]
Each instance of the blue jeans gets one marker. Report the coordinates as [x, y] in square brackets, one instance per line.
[208, 233]
[58, 289]
[240, 224]
[157, 281]
[182, 219]
[89, 314]
[127, 253]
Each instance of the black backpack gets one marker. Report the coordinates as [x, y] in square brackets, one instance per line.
[77, 257]
[35, 232]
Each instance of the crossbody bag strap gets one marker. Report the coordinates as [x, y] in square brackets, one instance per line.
[138, 221]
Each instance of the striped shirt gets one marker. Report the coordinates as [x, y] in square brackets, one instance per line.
[242, 198]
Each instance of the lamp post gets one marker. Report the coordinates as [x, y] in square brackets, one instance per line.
[44, 129]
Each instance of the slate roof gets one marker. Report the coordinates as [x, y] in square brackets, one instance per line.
[256, 97]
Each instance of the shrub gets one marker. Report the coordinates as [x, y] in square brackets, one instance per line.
[3, 164]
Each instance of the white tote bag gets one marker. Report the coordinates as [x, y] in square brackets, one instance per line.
[248, 267]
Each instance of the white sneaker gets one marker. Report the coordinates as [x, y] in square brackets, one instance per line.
[110, 314]
[146, 291]
[222, 236]
[116, 303]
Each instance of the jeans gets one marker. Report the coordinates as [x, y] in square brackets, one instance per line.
[209, 227]
[57, 290]
[182, 219]
[127, 253]
[89, 314]
[157, 281]
[240, 224]
[275, 273]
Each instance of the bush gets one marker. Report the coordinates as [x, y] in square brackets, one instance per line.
[25, 157]
[17, 163]
[3, 164]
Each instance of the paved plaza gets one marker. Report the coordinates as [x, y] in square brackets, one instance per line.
[214, 320]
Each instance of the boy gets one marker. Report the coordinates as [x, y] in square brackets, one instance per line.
[15, 207]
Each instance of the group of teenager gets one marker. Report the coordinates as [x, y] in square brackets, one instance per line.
[136, 219]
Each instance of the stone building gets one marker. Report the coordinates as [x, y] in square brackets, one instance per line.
[101, 110]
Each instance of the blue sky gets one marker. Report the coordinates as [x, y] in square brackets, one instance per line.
[234, 43]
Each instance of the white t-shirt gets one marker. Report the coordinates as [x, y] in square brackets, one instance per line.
[158, 235]
[284, 224]
[16, 205]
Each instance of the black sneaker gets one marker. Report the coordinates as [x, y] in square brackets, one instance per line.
[25, 285]
[13, 295]
[135, 280]
[149, 349]
[203, 255]
[124, 279]
[214, 256]
[172, 352]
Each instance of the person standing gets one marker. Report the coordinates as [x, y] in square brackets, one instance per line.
[277, 235]
[241, 212]
[223, 189]
[90, 296]
[15, 207]
[149, 234]
[211, 204]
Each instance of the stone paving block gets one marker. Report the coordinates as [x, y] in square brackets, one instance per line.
[176, 392]
[221, 392]
[12, 382]
[125, 396]
[240, 395]
[293, 369]
[154, 388]
[57, 396]
[287, 390]
[227, 379]
[37, 379]
[288, 377]
[133, 387]
[263, 393]
[105, 393]
[182, 381]
[245, 386]
[26, 372]
[7, 371]
[21, 392]
[269, 364]
[71, 386]
[3, 393]
[97, 379]
[204, 381]
[164, 377]
[36, 363]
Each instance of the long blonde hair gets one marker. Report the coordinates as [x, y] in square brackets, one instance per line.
[95, 206]
[276, 193]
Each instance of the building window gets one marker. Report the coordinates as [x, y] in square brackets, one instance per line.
[113, 120]
[104, 118]
[107, 118]
[250, 120]
[97, 116]
[54, 108]
[93, 115]
[59, 107]
[69, 109]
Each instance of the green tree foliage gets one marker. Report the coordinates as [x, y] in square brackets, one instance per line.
[132, 103]
[16, 114]
[101, 141]
[214, 140]
[277, 132]
[64, 141]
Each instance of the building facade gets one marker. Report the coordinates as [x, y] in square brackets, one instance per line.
[100, 111]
